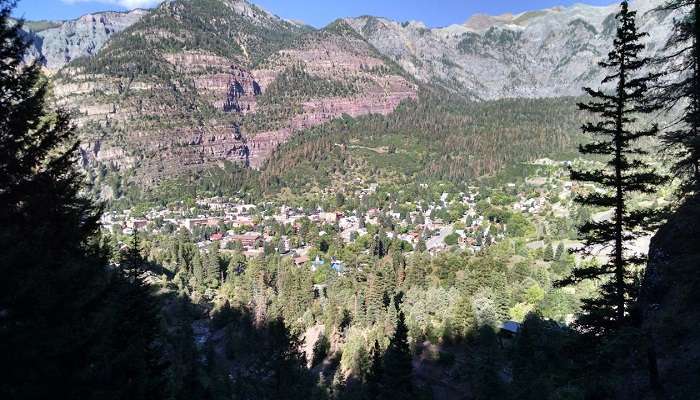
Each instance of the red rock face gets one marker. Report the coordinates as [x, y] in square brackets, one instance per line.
[331, 57]
[262, 145]
[151, 125]
[318, 112]
[242, 90]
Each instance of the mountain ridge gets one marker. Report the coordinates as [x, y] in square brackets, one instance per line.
[191, 84]
[545, 53]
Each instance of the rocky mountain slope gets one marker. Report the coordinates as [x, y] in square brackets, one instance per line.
[546, 53]
[195, 83]
[57, 43]
[189, 84]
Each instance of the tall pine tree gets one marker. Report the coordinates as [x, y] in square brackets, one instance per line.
[70, 326]
[625, 173]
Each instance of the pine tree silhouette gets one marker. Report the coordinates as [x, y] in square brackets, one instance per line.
[682, 68]
[70, 326]
[624, 174]
[397, 382]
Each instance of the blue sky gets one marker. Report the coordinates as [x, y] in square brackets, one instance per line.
[318, 12]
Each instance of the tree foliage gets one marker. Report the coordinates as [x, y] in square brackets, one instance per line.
[70, 326]
[682, 89]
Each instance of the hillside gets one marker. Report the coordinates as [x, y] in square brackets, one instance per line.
[435, 138]
[194, 83]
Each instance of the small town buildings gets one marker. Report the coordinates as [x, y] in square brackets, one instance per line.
[215, 237]
[137, 224]
[247, 239]
[301, 260]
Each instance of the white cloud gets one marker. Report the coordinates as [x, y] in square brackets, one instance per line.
[130, 4]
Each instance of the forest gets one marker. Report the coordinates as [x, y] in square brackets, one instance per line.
[438, 138]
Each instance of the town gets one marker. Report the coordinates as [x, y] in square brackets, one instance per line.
[468, 220]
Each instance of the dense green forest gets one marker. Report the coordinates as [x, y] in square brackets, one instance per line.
[437, 137]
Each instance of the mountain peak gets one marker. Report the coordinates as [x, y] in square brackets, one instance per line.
[482, 22]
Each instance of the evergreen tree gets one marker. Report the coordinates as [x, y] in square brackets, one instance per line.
[548, 253]
[289, 378]
[624, 174]
[213, 267]
[682, 66]
[484, 365]
[421, 246]
[379, 246]
[465, 318]
[198, 271]
[236, 265]
[70, 325]
[541, 359]
[376, 292]
[560, 254]
[398, 370]
[131, 262]
[375, 373]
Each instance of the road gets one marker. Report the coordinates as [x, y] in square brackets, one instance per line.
[437, 241]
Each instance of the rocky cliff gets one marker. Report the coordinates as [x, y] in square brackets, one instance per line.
[545, 53]
[58, 43]
[194, 83]
[671, 300]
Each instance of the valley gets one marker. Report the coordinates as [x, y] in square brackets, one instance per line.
[205, 200]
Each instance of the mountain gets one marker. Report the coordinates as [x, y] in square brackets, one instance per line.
[57, 43]
[193, 83]
[545, 53]
[188, 85]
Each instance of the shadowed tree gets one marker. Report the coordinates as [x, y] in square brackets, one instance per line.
[398, 369]
[624, 174]
[375, 374]
[70, 326]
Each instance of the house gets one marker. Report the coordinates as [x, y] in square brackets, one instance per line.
[248, 239]
[191, 223]
[215, 237]
[509, 329]
[337, 265]
[253, 253]
[301, 260]
[137, 224]
[243, 221]
[213, 222]
[317, 263]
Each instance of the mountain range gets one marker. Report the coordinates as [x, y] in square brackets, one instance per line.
[192, 83]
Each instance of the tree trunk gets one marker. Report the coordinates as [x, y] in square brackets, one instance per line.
[619, 197]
